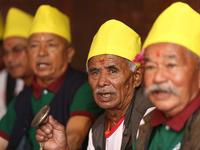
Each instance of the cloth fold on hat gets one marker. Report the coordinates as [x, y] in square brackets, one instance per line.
[17, 23]
[115, 38]
[49, 19]
[178, 24]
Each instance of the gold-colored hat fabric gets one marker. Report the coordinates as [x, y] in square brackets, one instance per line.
[49, 19]
[115, 38]
[17, 23]
[178, 24]
[1, 27]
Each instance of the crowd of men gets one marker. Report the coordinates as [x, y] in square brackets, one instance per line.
[133, 97]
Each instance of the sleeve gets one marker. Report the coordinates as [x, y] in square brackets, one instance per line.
[84, 103]
[90, 142]
[8, 121]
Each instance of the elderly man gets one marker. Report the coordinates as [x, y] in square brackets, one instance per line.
[55, 84]
[15, 55]
[115, 83]
[172, 81]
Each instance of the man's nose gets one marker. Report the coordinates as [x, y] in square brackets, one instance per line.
[160, 75]
[103, 80]
[43, 51]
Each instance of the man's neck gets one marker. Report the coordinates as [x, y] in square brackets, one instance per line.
[114, 116]
[28, 80]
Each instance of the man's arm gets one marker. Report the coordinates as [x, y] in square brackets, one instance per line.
[77, 129]
[3, 144]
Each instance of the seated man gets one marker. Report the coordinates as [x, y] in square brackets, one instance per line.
[172, 81]
[55, 84]
[15, 55]
[115, 82]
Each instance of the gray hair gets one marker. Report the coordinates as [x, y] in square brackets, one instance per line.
[129, 63]
[195, 57]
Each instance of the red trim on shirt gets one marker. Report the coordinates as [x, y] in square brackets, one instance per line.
[179, 120]
[83, 113]
[4, 135]
[53, 87]
[107, 135]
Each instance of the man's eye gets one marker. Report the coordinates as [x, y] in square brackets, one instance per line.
[149, 67]
[171, 65]
[18, 49]
[52, 45]
[95, 72]
[33, 45]
[112, 71]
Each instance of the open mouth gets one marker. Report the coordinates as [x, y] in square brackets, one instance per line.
[161, 94]
[42, 66]
[105, 96]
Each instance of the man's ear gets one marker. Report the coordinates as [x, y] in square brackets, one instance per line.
[70, 53]
[138, 76]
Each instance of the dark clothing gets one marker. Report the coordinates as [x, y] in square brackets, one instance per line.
[133, 116]
[190, 139]
[60, 105]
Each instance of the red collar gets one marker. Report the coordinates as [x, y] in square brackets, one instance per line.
[53, 87]
[178, 121]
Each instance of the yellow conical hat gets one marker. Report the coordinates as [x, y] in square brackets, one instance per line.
[1, 27]
[178, 24]
[17, 23]
[115, 38]
[50, 20]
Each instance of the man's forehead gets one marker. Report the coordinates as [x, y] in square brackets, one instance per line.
[105, 59]
[44, 37]
[165, 51]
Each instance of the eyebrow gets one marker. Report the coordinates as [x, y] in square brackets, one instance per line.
[112, 67]
[92, 69]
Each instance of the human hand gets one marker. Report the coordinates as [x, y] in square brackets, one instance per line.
[53, 134]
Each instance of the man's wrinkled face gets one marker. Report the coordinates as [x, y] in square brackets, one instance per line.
[111, 81]
[48, 54]
[15, 57]
[171, 77]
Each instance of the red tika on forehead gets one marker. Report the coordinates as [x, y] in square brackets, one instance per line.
[139, 58]
[9, 45]
[158, 54]
[101, 60]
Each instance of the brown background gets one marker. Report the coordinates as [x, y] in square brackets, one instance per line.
[88, 15]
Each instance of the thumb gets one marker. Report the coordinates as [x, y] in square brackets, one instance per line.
[56, 125]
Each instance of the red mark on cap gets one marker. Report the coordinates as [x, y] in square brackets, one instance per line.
[101, 60]
[158, 54]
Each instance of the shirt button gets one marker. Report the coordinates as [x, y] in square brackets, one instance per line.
[45, 91]
[167, 127]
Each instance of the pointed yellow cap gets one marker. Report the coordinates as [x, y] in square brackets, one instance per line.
[17, 23]
[178, 24]
[115, 38]
[1, 27]
[50, 20]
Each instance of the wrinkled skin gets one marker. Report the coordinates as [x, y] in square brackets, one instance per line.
[170, 64]
[49, 56]
[115, 83]
[15, 57]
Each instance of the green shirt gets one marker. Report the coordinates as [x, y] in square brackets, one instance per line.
[83, 102]
[165, 139]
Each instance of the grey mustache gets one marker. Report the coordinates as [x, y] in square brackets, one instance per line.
[162, 87]
[104, 90]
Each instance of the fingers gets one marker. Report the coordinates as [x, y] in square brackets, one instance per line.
[56, 125]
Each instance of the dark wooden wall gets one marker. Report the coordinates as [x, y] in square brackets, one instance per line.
[88, 15]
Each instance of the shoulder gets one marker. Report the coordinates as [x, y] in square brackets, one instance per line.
[142, 103]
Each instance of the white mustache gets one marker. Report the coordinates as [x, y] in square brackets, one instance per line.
[42, 60]
[105, 90]
[162, 87]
